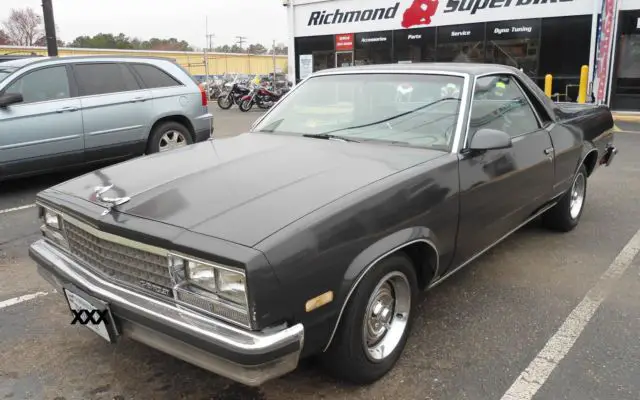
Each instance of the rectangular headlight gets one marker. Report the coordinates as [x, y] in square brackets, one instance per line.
[51, 219]
[215, 288]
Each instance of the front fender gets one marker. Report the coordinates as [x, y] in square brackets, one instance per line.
[370, 256]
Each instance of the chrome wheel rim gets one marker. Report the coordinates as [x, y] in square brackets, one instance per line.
[172, 140]
[577, 196]
[386, 316]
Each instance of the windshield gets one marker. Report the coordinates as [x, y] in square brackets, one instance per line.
[416, 110]
[5, 71]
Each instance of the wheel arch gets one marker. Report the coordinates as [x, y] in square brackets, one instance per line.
[179, 118]
[417, 243]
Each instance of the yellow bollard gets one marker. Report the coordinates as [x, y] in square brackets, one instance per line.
[548, 80]
[582, 89]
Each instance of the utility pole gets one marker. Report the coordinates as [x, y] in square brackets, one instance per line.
[273, 51]
[50, 28]
[210, 48]
[206, 56]
[241, 40]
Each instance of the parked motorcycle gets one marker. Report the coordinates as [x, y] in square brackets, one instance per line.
[233, 95]
[261, 96]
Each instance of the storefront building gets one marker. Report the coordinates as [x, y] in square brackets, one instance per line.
[538, 36]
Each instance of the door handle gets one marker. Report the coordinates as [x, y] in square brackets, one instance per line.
[136, 99]
[548, 151]
[64, 109]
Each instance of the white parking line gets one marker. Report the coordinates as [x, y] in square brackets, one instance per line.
[532, 378]
[8, 210]
[20, 299]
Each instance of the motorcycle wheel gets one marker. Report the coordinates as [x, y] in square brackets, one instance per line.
[246, 105]
[225, 102]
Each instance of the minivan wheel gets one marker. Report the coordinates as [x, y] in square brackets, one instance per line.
[168, 136]
[374, 328]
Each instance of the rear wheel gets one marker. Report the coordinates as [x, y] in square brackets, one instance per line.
[168, 136]
[374, 328]
[565, 215]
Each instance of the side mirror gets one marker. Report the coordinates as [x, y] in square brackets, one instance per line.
[8, 99]
[489, 139]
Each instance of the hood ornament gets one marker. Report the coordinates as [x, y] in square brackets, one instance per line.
[99, 192]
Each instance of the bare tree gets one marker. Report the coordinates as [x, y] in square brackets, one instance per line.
[4, 39]
[24, 27]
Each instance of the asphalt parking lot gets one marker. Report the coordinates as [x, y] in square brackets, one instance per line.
[555, 315]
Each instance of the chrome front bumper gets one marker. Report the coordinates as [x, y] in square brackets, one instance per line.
[244, 356]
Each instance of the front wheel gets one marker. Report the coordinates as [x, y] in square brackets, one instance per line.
[246, 105]
[225, 102]
[565, 215]
[373, 331]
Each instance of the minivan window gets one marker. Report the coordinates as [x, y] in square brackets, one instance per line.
[153, 77]
[43, 84]
[103, 78]
[4, 72]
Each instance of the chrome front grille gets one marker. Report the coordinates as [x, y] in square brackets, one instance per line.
[118, 261]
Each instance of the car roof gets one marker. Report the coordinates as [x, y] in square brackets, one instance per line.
[464, 68]
[105, 57]
[22, 61]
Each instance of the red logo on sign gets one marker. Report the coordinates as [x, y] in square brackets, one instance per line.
[344, 42]
[419, 13]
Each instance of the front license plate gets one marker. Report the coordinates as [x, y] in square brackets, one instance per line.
[92, 313]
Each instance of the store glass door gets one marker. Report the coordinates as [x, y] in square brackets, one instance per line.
[344, 59]
[625, 88]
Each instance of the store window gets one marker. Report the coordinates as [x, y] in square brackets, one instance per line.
[461, 43]
[319, 51]
[564, 48]
[515, 43]
[414, 45]
[373, 48]
[626, 80]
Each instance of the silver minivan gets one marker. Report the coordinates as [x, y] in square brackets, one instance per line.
[65, 112]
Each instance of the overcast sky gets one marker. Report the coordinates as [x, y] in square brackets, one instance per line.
[260, 21]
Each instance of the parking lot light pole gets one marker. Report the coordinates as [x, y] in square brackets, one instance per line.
[50, 28]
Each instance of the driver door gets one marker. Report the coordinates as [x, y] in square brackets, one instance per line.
[500, 189]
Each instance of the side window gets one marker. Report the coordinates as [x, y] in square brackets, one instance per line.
[154, 77]
[42, 85]
[94, 79]
[498, 103]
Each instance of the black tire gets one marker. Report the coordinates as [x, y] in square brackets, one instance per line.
[348, 358]
[225, 101]
[560, 218]
[156, 137]
[246, 105]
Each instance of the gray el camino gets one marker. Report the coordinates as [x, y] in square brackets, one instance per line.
[313, 233]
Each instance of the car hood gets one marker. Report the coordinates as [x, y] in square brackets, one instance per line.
[243, 189]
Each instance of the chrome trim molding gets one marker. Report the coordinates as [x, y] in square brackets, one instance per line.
[459, 267]
[367, 269]
[124, 128]
[585, 158]
[41, 141]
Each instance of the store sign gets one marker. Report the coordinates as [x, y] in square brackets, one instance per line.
[344, 42]
[461, 33]
[321, 18]
[306, 65]
[505, 30]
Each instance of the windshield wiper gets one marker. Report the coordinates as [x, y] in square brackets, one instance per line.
[327, 136]
[391, 118]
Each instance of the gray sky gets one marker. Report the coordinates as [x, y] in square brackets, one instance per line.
[260, 21]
